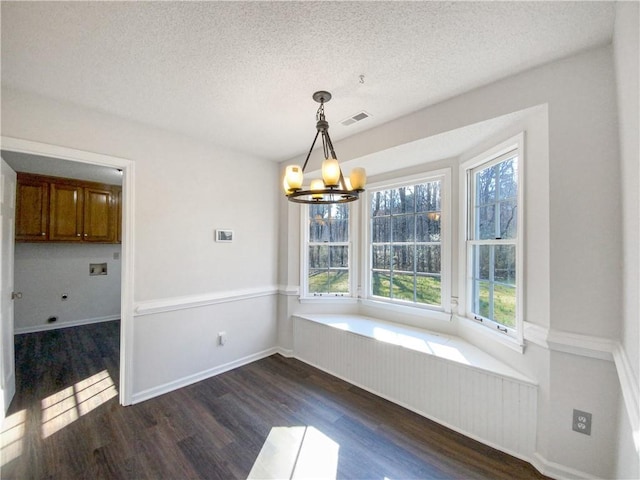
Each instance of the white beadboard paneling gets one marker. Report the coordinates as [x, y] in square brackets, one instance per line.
[499, 411]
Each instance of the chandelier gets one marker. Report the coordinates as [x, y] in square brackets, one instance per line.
[333, 187]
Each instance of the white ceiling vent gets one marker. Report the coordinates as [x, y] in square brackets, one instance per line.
[355, 118]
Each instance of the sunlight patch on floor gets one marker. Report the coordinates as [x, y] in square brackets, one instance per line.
[66, 406]
[296, 453]
[13, 437]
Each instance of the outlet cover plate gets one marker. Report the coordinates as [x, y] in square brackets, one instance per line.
[581, 422]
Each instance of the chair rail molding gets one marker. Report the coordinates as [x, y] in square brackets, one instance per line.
[151, 307]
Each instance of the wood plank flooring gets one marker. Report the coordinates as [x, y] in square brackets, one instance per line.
[63, 426]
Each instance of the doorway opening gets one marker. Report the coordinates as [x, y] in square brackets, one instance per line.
[71, 163]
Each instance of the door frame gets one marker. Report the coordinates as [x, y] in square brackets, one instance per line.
[126, 284]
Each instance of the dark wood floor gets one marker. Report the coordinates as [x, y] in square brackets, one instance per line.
[215, 428]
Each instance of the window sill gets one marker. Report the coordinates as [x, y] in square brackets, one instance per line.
[328, 299]
[409, 310]
[511, 342]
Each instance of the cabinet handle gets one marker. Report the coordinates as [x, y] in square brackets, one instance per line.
[43, 234]
[77, 234]
[86, 234]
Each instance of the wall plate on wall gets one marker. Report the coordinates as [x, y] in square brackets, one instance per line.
[97, 269]
[224, 235]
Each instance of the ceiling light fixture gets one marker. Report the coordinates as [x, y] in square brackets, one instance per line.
[332, 187]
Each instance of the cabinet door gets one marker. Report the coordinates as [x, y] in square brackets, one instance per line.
[32, 209]
[100, 212]
[65, 222]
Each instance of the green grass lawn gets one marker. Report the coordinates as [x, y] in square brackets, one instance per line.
[329, 282]
[427, 289]
[504, 304]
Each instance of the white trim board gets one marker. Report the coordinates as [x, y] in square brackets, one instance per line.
[201, 300]
[203, 375]
[72, 323]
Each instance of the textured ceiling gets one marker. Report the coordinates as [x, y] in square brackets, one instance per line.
[241, 74]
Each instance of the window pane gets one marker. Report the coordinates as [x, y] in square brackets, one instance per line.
[328, 281]
[428, 290]
[485, 185]
[318, 224]
[318, 256]
[381, 229]
[403, 228]
[482, 261]
[380, 257]
[338, 281]
[328, 223]
[339, 256]
[482, 293]
[505, 264]
[402, 200]
[508, 178]
[403, 257]
[505, 305]
[339, 230]
[403, 287]
[381, 203]
[485, 222]
[428, 258]
[428, 227]
[380, 284]
[318, 280]
[508, 219]
[428, 197]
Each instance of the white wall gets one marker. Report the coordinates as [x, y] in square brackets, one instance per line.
[44, 271]
[184, 189]
[573, 263]
[626, 54]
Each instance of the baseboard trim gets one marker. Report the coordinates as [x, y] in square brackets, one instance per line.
[203, 375]
[556, 470]
[286, 352]
[72, 323]
[194, 301]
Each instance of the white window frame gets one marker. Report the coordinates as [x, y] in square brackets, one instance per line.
[442, 312]
[513, 336]
[305, 295]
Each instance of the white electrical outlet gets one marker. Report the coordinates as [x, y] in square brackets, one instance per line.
[222, 338]
[582, 422]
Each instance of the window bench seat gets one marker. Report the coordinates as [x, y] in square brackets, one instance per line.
[441, 377]
[443, 346]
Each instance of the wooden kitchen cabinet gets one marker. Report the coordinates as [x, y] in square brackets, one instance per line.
[76, 211]
[32, 209]
[66, 213]
[100, 215]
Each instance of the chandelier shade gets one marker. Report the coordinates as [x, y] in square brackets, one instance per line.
[333, 187]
